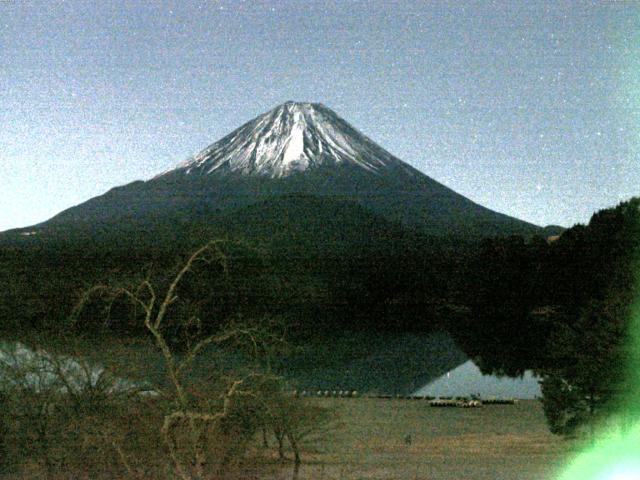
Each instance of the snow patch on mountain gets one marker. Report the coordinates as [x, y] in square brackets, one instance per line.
[292, 137]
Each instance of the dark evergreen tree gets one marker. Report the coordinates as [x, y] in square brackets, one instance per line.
[589, 349]
[587, 367]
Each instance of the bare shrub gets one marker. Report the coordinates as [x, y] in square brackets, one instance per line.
[57, 412]
[207, 428]
[65, 417]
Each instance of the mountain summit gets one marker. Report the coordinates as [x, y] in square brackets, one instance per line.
[290, 138]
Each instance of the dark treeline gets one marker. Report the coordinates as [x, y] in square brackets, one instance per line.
[522, 291]
[512, 303]
[320, 265]
[562, 308]
[373, 287]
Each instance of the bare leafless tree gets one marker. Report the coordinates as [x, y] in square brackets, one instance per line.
[188, 424]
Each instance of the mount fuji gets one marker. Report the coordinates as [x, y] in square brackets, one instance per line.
[352, 238]
[295, 151]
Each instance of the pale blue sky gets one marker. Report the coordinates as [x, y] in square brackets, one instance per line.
[529, 108]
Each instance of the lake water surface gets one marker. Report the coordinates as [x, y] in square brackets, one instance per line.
[467, 380]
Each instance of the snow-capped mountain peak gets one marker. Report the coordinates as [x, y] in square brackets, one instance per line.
[292, 137]
[297, 152]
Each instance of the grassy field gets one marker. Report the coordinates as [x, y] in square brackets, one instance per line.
[506, 442]
[368, 438]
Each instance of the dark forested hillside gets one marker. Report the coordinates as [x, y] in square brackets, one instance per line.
[522, 293]
[320, 262]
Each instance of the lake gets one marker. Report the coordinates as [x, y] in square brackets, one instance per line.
[467, 380]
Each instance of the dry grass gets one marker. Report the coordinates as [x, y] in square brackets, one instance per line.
[501, 442]
[505, 442]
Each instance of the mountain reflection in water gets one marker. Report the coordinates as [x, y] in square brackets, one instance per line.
[467, 380]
